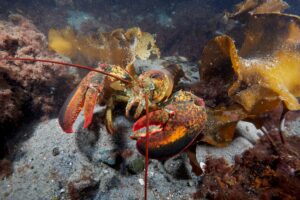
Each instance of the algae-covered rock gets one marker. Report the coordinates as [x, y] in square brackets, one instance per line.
[28, 89]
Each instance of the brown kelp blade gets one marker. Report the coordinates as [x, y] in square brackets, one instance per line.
[249, 7]
[118, 47]
[256, 70]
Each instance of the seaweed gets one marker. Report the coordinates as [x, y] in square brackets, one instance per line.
[259, 7]
[118, 47]
[260, 173]
[250, 80]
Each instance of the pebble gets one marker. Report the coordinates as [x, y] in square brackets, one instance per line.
[55, 151]
[248, 131]
[202, 166]
[141, 181]
[236, 147]
[136, 165]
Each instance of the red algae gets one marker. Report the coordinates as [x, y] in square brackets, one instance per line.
[28, 89]
[263, 172]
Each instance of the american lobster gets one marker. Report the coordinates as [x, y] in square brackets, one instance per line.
[175, 122]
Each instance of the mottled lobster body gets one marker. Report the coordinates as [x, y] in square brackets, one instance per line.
[180, 118]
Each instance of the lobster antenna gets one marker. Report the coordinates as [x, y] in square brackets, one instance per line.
[147, 134]
[67, 64]
[147, 146]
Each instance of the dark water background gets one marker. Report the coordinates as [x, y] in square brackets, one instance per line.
[182, 27]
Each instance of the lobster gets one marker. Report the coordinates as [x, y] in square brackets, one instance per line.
[169, 133]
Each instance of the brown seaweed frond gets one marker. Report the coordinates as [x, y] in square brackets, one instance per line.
[118, 47]
[258, 76]
[221, 124]
[259, 7]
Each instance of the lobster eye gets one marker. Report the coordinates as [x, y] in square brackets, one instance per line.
[156, 76]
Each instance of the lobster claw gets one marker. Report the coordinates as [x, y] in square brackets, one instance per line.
[85, 96]
[172, 129]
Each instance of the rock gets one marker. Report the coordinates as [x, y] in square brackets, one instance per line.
[64, 2]
[137, 165]
[237, 147]
[190, 69]
[21, 98]
[292, 123]
[248, 131]
[82, 187]
[5, 168]
[178, 167]
[247, 135]
[109, 181]
[55, 151]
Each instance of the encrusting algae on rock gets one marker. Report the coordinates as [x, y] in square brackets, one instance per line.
[27, 87]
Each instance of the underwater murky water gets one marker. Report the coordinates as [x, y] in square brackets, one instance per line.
[218, 79]
[181, 27]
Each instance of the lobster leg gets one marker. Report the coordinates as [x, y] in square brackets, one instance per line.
[108, 116]
[139, 109]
